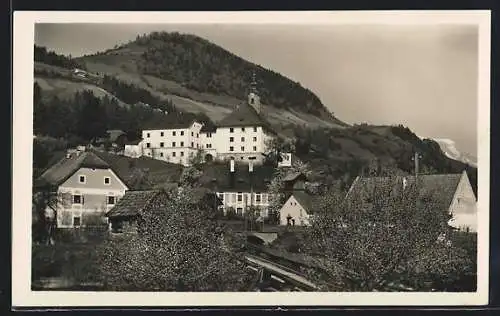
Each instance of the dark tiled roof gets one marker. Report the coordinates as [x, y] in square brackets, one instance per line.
[133, 203]
[113, 134]
[66, 167]
[208, 128]
[239, 181]
[245, 115]
[305, 200]
[143, 172]
[171, 121]
[439, 187]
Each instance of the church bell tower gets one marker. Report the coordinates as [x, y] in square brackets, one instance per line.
[253, 97]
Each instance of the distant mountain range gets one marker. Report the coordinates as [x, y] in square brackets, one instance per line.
[449, 148]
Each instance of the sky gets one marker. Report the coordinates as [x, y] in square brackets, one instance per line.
[421, 76]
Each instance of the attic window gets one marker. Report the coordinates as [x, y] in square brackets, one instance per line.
[107, 180]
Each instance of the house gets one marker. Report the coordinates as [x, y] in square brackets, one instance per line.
[89, 183]
[239, 185]
[299, 204]
[452, 193]
[242, 135]
[169, 139]
[133, 149]
[86, 188]
[297, 209]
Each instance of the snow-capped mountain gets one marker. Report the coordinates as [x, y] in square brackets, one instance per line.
[449, 148]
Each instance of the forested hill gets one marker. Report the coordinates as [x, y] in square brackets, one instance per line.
[200, 65]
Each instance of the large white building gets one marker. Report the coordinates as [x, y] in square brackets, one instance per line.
[242, 135]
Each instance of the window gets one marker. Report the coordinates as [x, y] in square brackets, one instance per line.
[81, 179]
[243, 139]
[231, 130]
[192, 133]
[239, 211]
[173, 133]
[240, 196]
[173, 144]
[209, 135]
[257, 197]
[161, 154]
[242, 148]
[264, 198]
[107, 180]
[173, 154]
[233, 197]
[231, 148]
[76, 221]
[255, 139]
[111, 200]
[254, 148]
[192, 144]
[148, 145]
[209, 145]
[182, 133]
[161, 134]
[197, 135]
[147, 135]
[255, 129]
[162, 144]
[242, 129]
[77, 199]
[182, 154]
[182, 144]
[231, 139]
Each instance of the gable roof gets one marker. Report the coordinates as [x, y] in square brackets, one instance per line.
[441, 187]
[133, 203]
[245, 115]
[241, 180]
[170, 121]
[305, 200]
[66, 167]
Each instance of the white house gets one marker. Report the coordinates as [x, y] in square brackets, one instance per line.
[172, 141]
[451, 192]
[297, 209]
[86, 188]
[134, 149]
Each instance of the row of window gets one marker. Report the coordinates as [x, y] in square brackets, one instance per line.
[231, 139]
[79, 199]
[174, 133]
[259, 197]
[174, 144]
[231, 129]
[231, 148]
[83, 179]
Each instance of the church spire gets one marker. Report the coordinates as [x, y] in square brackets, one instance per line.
[253, 97]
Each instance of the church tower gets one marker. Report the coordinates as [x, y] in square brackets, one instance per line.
[253, 97]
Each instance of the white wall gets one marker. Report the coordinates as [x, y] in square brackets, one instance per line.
[133, 151]
[464, 206]
[94, 194]
[293, 208]
[172, 145]
[230, 199]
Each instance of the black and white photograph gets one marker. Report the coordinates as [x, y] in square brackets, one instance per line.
[208, 160]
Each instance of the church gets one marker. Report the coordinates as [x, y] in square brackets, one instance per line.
[243, 135]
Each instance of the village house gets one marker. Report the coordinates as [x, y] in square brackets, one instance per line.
[242, 135]
[298, 207]
[239, 185]
[452, 193]
[86, 188]
[87, 183]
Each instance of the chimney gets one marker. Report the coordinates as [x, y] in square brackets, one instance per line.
[231, 165]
